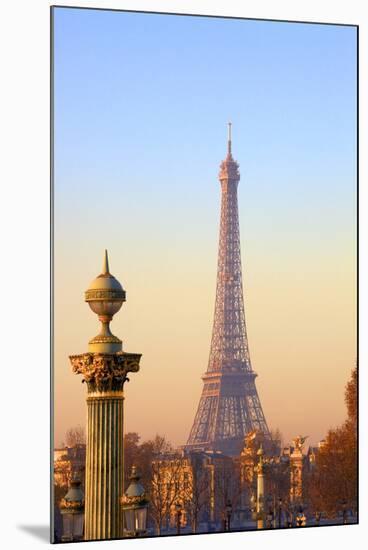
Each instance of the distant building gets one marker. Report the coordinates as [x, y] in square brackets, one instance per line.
[200, 482]
[311, 457]
[69, 461]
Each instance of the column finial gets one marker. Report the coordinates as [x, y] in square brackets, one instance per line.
[105, 267]
[105, 296]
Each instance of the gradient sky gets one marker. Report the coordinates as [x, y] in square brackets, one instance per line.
[141, 106]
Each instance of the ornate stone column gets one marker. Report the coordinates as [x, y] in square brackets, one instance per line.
[260, 489]
[296, 470]
[104, 369]
[247, 469]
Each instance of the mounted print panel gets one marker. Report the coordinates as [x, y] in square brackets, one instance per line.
[205, 274]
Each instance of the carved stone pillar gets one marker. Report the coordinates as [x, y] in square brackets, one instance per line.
[105, 375]
[260, 489]
[296, 477]
[296, 470]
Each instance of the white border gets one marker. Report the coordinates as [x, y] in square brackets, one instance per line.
[24, 485]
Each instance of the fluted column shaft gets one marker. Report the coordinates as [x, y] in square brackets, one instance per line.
[104, 465]
[105, 375]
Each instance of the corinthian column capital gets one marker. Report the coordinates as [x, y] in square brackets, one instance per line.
[105, 372]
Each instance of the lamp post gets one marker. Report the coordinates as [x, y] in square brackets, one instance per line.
[290, 515]
[223, 519]
[72, 511]
[317, 517]
[260, 513]
[134, 504]
[229, 509]
[300, 518]
[260, 489]
[179, 511]
[280, 512]
[269, 516]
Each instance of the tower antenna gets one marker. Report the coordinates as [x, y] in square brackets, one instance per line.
[229, 124]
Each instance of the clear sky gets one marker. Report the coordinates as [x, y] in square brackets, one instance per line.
[141, 106]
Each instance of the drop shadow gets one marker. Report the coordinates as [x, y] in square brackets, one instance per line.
[40, 532]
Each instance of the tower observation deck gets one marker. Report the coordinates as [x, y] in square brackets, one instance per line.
[229, 406]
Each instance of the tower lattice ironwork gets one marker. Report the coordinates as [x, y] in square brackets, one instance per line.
[229, 407]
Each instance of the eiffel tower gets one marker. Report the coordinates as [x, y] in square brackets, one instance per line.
[229, 407]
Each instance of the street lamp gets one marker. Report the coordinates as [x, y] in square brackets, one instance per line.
[72, 511]
[179, 511]
[280, 511]
[134, 504]
[260, 512]
[290, 515]
[229, 509]
[300, 518]
[317, 517]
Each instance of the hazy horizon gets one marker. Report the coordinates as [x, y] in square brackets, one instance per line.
[141, 106]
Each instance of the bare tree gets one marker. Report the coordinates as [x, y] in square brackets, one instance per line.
[227, 487]
[196, 489]
[165, 488]
[334, 479]
[162, 467]
[75, 436]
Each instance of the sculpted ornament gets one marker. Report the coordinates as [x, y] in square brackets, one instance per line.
[131, 500]
[299, 442]
[105, 372]
[109, 295]
[71, 505]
